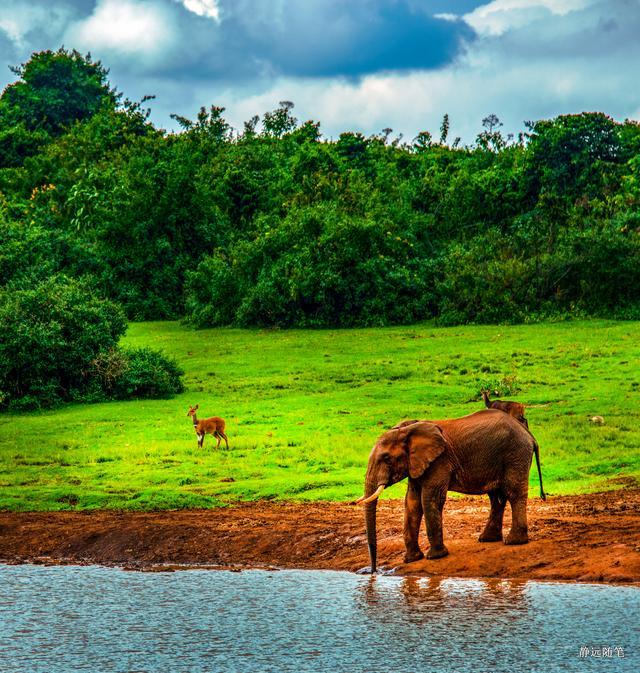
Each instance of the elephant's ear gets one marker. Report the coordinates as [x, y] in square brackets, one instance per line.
[425, 442]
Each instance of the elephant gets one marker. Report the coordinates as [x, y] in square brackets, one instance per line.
[485, 452]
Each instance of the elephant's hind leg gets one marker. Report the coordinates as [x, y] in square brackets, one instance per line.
[412, 520]
[519, 531]
[493, 530]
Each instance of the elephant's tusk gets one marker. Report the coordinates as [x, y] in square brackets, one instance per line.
[358, 501]
[372, 497]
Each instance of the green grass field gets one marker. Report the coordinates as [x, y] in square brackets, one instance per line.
[303, 409]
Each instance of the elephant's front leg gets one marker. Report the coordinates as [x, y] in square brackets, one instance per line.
[493, 530]
[433, 500]
[412, 520]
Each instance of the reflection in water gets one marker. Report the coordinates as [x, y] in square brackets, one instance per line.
[58, 620]
[462, 622]
[437, 594]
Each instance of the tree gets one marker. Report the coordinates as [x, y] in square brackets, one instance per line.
[422, 142]
[49, 337]
[574, 155]
[444, 129]
[280, 121]
[352, 146]
[278, 225]
[55, 89]
[491, 138]
[209, 125]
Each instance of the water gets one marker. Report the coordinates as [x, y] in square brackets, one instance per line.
[75, 619]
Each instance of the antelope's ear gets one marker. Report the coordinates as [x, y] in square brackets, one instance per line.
[425, 442]
[403, 424]
[196, 407]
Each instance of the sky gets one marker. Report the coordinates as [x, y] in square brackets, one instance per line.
[352, 65]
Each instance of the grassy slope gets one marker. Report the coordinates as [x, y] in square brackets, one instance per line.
[304, 407]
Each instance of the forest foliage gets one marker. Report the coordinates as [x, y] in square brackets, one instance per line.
[276, 225]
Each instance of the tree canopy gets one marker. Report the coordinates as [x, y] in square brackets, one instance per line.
[54, 90]
[275, 225]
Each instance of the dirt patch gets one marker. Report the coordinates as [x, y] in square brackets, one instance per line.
[588, 538]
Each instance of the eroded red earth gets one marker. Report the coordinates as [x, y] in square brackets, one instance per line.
[594, 537]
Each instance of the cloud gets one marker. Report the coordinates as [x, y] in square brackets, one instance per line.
[358, 65]
[21, 21]
[500, 16]
[206, 8]
[124, 27]
[253, 42]
[447, 16]
[537, 65]
[319, 38]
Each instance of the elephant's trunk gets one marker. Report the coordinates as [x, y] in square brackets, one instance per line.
[370, 523]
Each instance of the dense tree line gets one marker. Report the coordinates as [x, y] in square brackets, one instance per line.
[274, 225]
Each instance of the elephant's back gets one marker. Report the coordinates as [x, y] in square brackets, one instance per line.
[486, 421]
[487, 435]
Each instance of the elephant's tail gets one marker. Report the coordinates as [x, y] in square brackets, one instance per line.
[536, 450]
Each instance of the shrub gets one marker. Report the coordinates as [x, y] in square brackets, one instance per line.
[108, 369]
[316, 268]
[59, 344]
[500, 387]
[49, 337]
[146, 373]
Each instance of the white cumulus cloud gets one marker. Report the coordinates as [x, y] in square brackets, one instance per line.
[206, 8]
[499, 16]
[124, 27]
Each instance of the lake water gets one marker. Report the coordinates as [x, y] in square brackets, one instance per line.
[74, 619]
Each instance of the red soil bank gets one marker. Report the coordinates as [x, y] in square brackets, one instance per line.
[593, 537]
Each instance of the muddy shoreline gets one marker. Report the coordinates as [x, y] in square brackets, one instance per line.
[589, 538]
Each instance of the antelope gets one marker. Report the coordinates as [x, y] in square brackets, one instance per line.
[514, 409]
[214, 426]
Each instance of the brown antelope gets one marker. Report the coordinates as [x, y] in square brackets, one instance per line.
[514, 409]
[214, 426]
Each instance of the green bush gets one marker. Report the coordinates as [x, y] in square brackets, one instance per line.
[49, 337]
[316, 268]
[58, 343]
[148, 374]
[499, 386]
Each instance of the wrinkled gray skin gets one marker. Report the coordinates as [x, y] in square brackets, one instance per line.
[485, 452]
